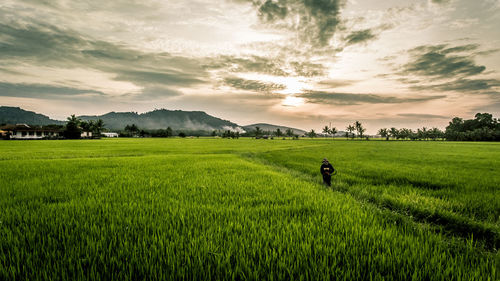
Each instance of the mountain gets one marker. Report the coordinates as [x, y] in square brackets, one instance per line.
[156, 119]
[16, 115]
[270, 127]
[163, 118]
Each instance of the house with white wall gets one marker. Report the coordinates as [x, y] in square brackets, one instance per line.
[110, 134]
[25, 132]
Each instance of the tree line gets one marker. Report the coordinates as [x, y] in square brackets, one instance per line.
[408, 134]
[482, 128]
[75, 126]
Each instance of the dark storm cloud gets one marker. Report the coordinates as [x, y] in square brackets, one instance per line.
[308, 69]
[440, 1]
[264, 65]
[270, 11]
[360, 36]
[423, 116]
[437, 62]
[252, 85]
[39, 43]
[447, 69]
[44, 91]
[335, 83]
[45, 45]
[355, 99]
[257, 64]
[153, 93]
[159, 76]
[315, 21]
[462, 85]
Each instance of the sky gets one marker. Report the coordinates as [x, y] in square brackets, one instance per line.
[298, 63]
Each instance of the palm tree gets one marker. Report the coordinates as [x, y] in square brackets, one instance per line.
[435, 133]
[312, 134]
[425, 133]
[74, 119]
[384, 133]
[97, 127]
[350, 130]
[394, 133]
[72, 130]
[326, 130]
[359, 129]
[87, 127]
[333, 131]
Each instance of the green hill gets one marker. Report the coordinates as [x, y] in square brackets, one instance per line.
[163, 118]
[16, 115]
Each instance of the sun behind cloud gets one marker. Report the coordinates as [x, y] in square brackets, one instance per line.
[293, 101]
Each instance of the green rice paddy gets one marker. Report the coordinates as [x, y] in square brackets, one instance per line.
[246, 209]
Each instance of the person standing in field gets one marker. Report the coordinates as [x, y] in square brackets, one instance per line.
[327, 171]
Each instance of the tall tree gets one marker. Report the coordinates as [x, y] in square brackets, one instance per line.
[326, 130]
[289, 132]
[278, 133]
[384, 133]
[133, 130]
[359, 129]
[86, 126]
[350, 129]
[258, 132]
[73, 130]
[333, 131]
[394, 133]
[97, 128]
[312, 134]
[170, 132]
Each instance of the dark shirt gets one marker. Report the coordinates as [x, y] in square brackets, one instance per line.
[326, 169]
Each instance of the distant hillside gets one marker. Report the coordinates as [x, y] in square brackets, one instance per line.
[16, 115]
[270, 127]
[157, 119]
[162, 118]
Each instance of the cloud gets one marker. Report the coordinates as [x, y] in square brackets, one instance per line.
[256, 64]
[462, 85]
[440, 1]
[423, 116]
[160, 76]
[440, 62]
[360, 36]
[275, 66]
[315, 22]
[333, 83]
[270, 11]
[447, 69]
[252, 85]
[355, 99]
[39, 44]
[308, 69]
[45, 91]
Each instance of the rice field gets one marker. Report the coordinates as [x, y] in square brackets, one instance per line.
[246, 209]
